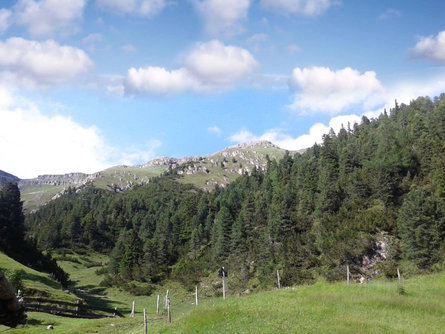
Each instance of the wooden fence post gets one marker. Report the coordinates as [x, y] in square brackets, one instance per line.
[77, 307]
[169, 315]
[145, 322]
[398, 274]
[196, 296]
[224, 284]
[132, 311]
[165, 300]
[157, 305]
[278, 279]
[347, 274]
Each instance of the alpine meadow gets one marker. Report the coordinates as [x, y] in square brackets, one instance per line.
[222, 166]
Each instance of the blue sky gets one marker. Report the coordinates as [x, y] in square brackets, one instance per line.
[87, 84]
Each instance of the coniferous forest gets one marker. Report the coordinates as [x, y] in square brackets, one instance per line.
[375, 185]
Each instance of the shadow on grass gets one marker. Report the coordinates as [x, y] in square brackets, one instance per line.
[34, 322]
[42, 279]
[95, 296]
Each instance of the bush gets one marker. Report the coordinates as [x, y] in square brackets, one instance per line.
[139, 290]
[15, 278]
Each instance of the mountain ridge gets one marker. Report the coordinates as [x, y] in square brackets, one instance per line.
[205, 171]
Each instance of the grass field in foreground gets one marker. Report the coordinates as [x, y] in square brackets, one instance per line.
[321, 308]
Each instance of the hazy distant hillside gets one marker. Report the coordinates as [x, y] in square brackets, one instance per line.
[6, 177]
[203, 171]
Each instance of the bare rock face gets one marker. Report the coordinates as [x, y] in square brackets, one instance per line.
[70, 179]
[234, 160]
[369, 264]
[12, 311]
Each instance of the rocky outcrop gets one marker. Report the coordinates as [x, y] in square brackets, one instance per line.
[12, 311]
[71, 179]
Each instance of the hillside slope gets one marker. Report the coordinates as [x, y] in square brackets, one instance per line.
[203, 171]
[321, 308]
[6, 177]
[36, 283]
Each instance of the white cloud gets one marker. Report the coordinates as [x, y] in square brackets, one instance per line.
[282, 139]
[138, 156]
[303, 7]
[46, 17]
[5, 16]
[403, 92]
[32, 143]
[208, 66]
[138, 7]
[431, 47]
[214, 63]
[242, 136]
[215, 130]
[42, 62]
[223, 16]
[319, 89]
[158, 80]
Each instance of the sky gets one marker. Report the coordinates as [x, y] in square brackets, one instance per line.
[89, 84]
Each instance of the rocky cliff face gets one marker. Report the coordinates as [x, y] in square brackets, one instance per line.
[203, 171]
[71, 179]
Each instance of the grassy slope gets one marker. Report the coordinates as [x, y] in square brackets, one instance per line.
[230, 172]
[322, 308]
[35, 196]
[35, 280]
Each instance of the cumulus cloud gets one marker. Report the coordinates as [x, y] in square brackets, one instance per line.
[431, 47]
[138, 156]
[208, 66]
[42, 62]
[403, 92]
[158, 80]
[319, 89]
[46, 17]
[5, 16]
[303, 7]
[284, 140]
[32, 143]
[223, 16]
[138, 7]
[215, 130]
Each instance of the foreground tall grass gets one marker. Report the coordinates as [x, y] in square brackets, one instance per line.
[322, 308]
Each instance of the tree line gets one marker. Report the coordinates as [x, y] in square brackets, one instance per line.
[12, 236]
[309, 214]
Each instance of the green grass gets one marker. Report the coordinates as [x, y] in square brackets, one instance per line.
[376, 307]
[35, 196]
[122, 176]
[41, 283]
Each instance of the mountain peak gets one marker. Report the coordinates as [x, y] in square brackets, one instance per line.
[255, 144]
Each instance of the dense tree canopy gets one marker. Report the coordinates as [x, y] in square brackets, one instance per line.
[309, 214]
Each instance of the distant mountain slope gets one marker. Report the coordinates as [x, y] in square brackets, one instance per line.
[6, 177]
[203, 171]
